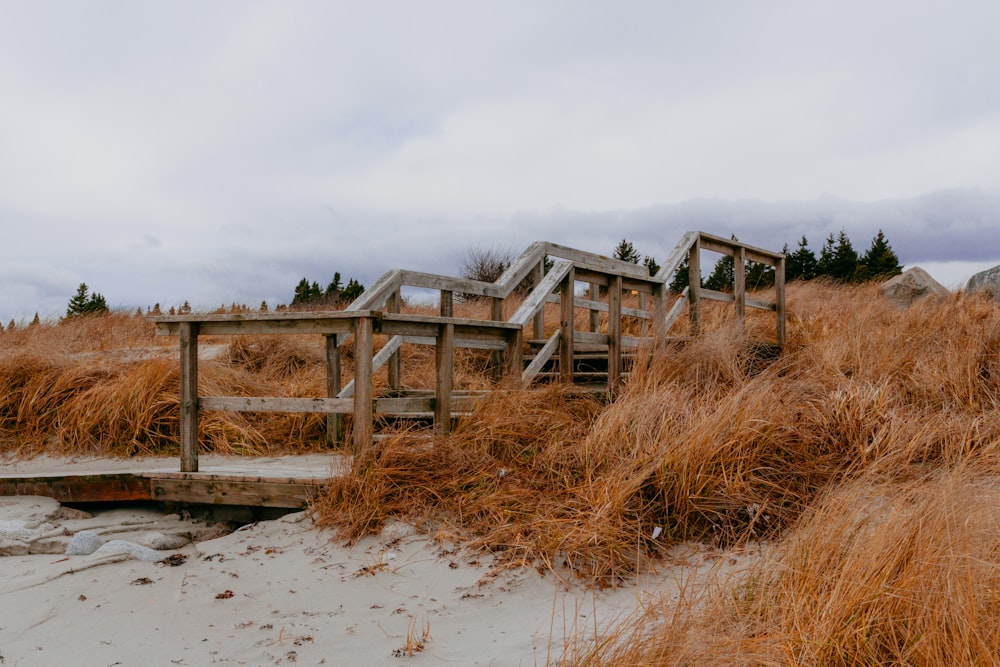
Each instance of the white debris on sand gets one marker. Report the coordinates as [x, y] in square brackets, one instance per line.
[282, 591]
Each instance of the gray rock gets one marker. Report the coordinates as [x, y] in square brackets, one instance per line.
[988, 280]
[912, 284]
[163, 542]
[84, 543]
[136, 551]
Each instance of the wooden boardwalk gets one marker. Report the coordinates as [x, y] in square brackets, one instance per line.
[523, 348]
[288, 481]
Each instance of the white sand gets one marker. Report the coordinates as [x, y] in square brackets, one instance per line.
[278, 592]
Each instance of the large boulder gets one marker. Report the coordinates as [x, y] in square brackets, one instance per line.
[988, 280]
[911, 285]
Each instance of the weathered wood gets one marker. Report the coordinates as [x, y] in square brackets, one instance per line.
[334, 380]
[675, 311]
[694, 287]
[601, 307]
[614, 332]
[538, 322]
[445, 365]
[761, 305]
[715, 295]
[589, 262]
[382, 358]
[96, 487]
[566, 325]
[541, 358]
[660, 311]
[497, 360]
[259, 323]
[676, 257]
[594, 294]
[643, 306]
[189, 396]
[363, 384]
[513, 361]
[450, 284]
[536, 300]
[447, 303]
[207, 490]
[596, 338]
[393, 370]
[740, 288]
[275, 404]
[726, 246]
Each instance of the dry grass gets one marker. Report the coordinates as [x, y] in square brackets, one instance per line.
[866, 455]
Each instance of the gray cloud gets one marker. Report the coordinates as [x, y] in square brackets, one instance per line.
[218, 152]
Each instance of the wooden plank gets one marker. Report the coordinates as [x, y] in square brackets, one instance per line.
[601, 264]
[643, 321]
[393, 369]
[660, 311]
[538, 322]
[450, 284]
[541, 358]
[694, 287]
[600, 340]
[740, 289]
[386, 319]
[363, 384]
[592, 277]
[102, 487]
[377, 294]
[459, 342]
[526, 264]
[334, 380]
[761, 305]
[384, 355]
[447, 303]
[276, 404]
[189, 396]
[594, 296]
[533, 304]
[614, 332]
[676, 257]
[675, 311]
[497, 361]
[566, 325]
[404, 405]
[714, 295]
[228, 492]
[641, 286]
[753, 253]
[445, 365]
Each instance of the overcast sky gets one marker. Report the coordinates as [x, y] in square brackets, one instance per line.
[219, 151]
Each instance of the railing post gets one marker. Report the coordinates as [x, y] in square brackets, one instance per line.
[392, 366]
[539, 324]
[514, 362]
[447, 303]
[740, 288]
[779, 301]
[643, 322]
[445, 365]
[694, 285]
[594, 294]
[566, 312]
[614, 332]
[363, 385]
[189, 396]
[496, 314]
[660, 310]
[334, 421]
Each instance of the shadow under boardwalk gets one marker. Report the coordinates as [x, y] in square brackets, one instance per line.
[287, 481]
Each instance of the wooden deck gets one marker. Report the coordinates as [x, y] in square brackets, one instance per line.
[290, 481]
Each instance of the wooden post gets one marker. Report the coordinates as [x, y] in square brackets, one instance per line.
[566, 311]
[189, 396]
[363, 385]
[779, 301]
[594, 294]
[445, 363]
[392, 366]
[496, 314]
[660, 310]
[740, 288]
[538, 274]
[614, 333]
[514, 362]
[447, 303]
[694, 286]
[643, 322]
[334, 421]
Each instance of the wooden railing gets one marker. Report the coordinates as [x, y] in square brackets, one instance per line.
[376, 311]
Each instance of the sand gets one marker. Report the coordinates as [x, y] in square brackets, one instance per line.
[282, 592]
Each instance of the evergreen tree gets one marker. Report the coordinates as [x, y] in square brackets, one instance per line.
[801, 264]
[352, 290]
[334, 288]
[721, 278]
[263, 306]
[759, 276]
[681, 278]
[880, 261]
[839, 259]
[301, 296]
[626, 252]
[85, 303]
[35, 321]
[650, 265]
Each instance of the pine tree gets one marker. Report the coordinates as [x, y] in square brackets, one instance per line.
[801, 264]
[352, 290]
[35, 321]
[651, 265]
[721, 278]
[880, 261]
[78, 302]
[626, 252]
[681, 278]
[334, 288]
[759, 276]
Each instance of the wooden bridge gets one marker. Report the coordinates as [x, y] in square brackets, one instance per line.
[521, 349]
[593, 359]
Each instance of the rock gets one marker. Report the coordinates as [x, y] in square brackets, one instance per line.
[84, 543]
[988, 280]
[136, 551]
[163, 542]
[912, 284]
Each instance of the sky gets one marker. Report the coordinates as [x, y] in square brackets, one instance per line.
[218, 152]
